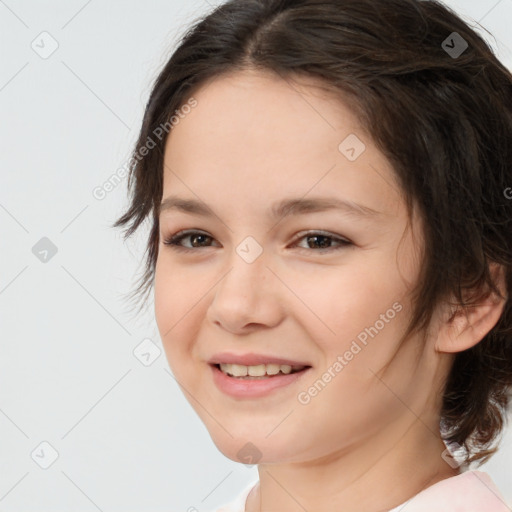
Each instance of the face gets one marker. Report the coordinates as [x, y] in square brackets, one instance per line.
[324, 287]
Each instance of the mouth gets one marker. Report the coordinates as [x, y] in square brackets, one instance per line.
[260, 371]
[256, 381]
[250, 375]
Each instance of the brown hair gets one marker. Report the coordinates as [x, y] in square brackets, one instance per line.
[440, 112]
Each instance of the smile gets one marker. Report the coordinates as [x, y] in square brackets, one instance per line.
[258, 371]
[256, 381]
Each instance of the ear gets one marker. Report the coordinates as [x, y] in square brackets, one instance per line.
[463, 328]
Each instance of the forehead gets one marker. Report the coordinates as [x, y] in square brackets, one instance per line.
[274, 134]
[254, 113]
[259, 103]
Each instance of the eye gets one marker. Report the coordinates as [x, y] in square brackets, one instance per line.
[323, 241]
[196, 236]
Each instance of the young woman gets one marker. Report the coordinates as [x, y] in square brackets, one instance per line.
[328, 189]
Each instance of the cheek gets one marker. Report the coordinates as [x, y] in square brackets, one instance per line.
[165, 299]
[176, 291]
[176, 319]
[361, 313]
[342, 302]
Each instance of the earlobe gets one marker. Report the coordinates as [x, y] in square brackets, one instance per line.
[463, 328]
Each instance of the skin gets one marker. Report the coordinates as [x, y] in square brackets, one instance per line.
[370, 439]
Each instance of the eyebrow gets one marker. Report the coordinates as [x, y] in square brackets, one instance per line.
[281, 209]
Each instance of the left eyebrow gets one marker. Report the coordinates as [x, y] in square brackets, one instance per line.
[284, 208]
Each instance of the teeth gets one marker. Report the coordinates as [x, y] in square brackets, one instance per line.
[285, 368]
[239, 370]
[272, 369]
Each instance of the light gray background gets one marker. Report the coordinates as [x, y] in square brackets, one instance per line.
[126, 437]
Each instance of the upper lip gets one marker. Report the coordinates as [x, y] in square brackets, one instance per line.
[251, 359]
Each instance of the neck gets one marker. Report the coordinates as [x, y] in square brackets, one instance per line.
[362, 478]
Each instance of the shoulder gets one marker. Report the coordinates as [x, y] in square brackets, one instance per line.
[471, 491]
[238, 504]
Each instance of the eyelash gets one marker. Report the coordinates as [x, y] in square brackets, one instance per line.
[174, 241]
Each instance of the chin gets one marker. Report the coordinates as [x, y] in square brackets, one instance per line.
[253, 447]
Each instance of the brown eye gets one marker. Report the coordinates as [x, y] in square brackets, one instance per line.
[197, 240]
[316, 241]
[323, 241]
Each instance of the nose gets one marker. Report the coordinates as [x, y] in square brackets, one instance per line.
[248, 296]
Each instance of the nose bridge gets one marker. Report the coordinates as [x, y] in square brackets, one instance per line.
[245, 295]
[249, 250]
[248, 267]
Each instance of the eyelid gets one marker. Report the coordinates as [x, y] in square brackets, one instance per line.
[327, 234]
[174, 240]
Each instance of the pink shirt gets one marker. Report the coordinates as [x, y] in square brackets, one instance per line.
[472, 491]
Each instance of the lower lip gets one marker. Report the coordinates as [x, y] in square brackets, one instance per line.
[253, 388]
